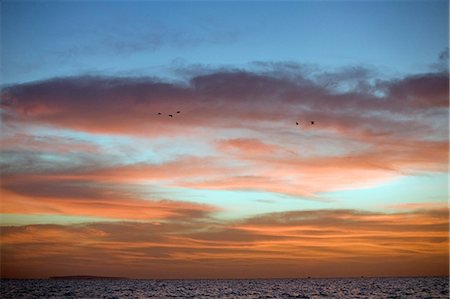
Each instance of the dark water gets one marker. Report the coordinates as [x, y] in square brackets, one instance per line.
[417, 287]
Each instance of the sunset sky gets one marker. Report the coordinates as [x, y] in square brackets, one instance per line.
[95, 182]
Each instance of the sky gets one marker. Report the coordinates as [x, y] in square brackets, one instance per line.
[224, 139]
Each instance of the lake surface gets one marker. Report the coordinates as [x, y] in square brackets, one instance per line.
[413, 287]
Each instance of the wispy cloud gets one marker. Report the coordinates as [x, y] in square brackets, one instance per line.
[298, 242]
[72, 199]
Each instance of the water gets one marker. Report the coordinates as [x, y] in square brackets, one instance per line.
[413, 287]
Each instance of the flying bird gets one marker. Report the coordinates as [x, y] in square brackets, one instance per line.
[159, 113]
[296, 123]
[178, 111]
[170, 115]
[312, 122]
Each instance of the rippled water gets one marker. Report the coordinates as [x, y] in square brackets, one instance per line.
[417, 287]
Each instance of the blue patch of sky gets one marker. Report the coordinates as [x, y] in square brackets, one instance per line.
[47, 39]
[236, 204]
[420, 188]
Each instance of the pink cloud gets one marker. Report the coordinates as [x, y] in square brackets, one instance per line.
[246, 145]
[221, 99]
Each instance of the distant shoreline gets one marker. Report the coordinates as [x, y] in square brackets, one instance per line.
[93, 277]
[85, 277]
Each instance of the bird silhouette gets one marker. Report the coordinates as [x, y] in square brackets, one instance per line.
[159, 113]
[170, 115]
[296, 123]
[178, 111]
[312, 122]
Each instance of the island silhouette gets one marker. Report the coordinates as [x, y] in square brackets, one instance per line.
[85, 277]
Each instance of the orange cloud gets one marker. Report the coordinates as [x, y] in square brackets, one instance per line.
[250, 164]
[272, 168]
[417, 206]
[109, 205]
[299, 243]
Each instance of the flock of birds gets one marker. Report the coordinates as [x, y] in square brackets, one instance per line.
[178, 112]
[170, 115]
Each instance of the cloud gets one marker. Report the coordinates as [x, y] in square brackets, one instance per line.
[108, 206]
[246, 146]
[94, 103]
[424, 91]
[82, 191]
[305, 243]
[226, 98]
[418, 206]
[158, 39]
[240, 125]
[147, 35]
[18, 141]
[442, 63]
